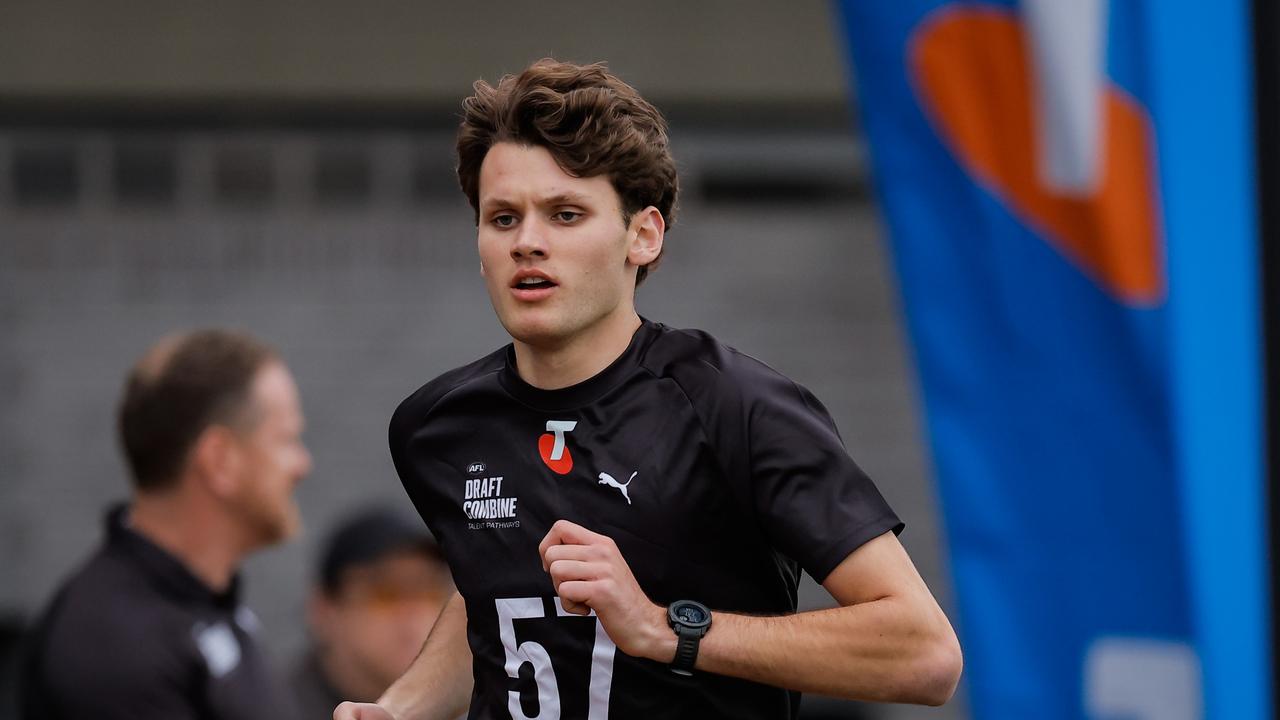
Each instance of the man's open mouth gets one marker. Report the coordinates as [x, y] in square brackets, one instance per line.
[534, 283]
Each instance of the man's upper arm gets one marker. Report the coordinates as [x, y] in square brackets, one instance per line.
[878, 569]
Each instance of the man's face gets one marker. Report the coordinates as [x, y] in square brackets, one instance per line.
[555, 254]
[273, 459]
[376, 622]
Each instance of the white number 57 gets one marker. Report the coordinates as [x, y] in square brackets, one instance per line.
[517, 654]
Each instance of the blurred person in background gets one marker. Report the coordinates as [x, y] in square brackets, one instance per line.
[152, 626]
[381, 583]
[626, 507]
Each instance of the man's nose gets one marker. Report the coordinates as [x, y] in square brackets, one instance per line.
[530, 240]
[305, 462]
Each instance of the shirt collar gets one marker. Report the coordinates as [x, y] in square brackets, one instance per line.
[168, 573]
[587, 391]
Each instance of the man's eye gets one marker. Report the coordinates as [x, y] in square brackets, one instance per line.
[504, 220]
[567, 216]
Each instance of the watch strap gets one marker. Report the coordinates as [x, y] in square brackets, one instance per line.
[686, 651]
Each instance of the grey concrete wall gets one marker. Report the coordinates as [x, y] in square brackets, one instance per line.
[719, 50]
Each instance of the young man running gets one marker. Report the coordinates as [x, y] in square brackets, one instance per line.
[626, 507]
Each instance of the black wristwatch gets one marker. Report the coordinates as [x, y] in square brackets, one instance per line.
[690, 620]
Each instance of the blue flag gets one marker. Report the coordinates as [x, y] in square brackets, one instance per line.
[1076, 273]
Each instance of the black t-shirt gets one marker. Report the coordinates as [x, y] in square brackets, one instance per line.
[717, 477]
[133, 634]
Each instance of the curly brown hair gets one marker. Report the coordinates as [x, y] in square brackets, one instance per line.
[590, 121]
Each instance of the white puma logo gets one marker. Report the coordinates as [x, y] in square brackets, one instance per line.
[607, 479]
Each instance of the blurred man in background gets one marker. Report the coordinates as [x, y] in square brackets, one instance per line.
[151, 626]
[381, 584]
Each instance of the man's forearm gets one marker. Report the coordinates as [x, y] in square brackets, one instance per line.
[878, 651]
[437, 686]
[889, 641]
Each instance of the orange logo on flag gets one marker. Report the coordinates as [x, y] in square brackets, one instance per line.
[972, 74]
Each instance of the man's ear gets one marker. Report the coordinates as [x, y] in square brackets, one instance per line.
[645, 236]
[216, 458]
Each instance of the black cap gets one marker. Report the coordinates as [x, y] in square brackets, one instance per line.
[367, 536]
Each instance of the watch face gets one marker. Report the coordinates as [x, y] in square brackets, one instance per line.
[690, 614]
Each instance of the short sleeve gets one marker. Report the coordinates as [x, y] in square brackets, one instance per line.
[409, 438]
[779, 451]
[812, 500]
[407, 418]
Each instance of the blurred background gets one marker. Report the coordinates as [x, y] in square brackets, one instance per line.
[286, 167]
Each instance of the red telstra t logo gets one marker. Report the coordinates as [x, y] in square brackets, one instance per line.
[552, 448]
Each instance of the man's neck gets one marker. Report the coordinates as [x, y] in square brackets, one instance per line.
[175, 523]
[579, 359]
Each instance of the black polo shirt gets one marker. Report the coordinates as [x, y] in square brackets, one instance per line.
[717, 477]
[134, 634]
